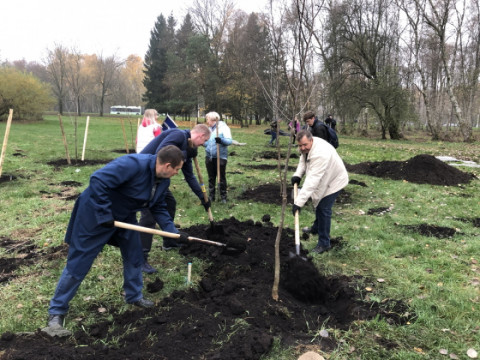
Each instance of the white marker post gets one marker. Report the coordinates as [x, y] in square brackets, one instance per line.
[85, 138]
[189, 273]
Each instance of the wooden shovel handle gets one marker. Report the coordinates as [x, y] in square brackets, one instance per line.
[297, 222]
[202, 186]
[218, 157]
[128, 226]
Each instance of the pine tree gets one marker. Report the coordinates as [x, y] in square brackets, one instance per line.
[157, 91]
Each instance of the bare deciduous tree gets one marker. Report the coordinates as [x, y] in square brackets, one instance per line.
[56, 64]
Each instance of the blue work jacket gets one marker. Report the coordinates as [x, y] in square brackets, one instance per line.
[179, 138]
[116, 192]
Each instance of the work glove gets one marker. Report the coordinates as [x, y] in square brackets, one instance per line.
[206, 204]
[192, 152]
[183, 239]
[108, 224]
[218, 140]
[295, 208]
[296, 180]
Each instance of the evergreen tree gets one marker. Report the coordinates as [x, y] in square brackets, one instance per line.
[181, 73]
[157, 91]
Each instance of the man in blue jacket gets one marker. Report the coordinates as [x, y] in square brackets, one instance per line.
[116, 192]
[187, 141]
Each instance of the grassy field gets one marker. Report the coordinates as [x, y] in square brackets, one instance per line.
[438, 278]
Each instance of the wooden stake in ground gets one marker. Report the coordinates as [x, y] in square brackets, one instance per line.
[64, 140]
[85, 138]
[125, 137]
[5, 139]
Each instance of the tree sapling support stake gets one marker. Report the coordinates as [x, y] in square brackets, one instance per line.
[64, 140]
[85, 138]
[5, 139]
[125, 137]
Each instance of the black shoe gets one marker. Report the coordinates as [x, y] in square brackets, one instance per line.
[148, 269]
[55, 320]
[320, 249]
[171, 245]
[144, 303]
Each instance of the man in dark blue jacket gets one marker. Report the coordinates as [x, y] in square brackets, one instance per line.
[187, 141]
[116, 192]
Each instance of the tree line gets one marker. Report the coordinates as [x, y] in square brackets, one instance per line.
[391, 64]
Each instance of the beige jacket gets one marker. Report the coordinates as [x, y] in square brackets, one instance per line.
[325, 173]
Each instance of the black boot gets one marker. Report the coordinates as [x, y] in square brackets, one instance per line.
[146, 267]
[55, 320]
[144, 303]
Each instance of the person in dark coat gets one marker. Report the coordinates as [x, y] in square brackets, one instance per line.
[315, 126]
[116, 192]
[330, 121]
[187, 141]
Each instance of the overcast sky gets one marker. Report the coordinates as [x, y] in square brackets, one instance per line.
[122, 27]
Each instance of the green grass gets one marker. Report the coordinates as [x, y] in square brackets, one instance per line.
[438, 278]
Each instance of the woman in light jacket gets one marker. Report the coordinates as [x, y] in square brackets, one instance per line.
[221, 137]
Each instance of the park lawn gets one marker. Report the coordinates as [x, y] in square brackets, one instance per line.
[438, 278]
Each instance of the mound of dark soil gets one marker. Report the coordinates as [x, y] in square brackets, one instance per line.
[24, 253]
[268, 193]
[440, 232]
[268, 167]
[421, 169]
[123, 151]
[274, 155]
[5, 178]
[231, 315]
[77, 163]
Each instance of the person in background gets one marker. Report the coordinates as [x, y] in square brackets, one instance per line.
[295, 125]
[224, 139]
[315, 126]
[330, 121]
[273, 132]
[187, 141]
[116, 192]
[325, 175]
[149, 129]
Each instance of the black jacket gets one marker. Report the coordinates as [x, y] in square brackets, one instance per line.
[319, 129]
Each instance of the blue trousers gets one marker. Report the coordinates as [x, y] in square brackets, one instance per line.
[132, 275]
[323, 219]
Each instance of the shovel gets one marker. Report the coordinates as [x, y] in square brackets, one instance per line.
[297, 228]
[218, 165]
[232, 247]
[213, 228]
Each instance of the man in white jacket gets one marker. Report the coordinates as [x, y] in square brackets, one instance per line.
[325, 175]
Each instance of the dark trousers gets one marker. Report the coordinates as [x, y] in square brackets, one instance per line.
[323, 219]
[211, 165]
[147, 220]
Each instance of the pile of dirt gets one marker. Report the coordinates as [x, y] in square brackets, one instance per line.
[231, 315]
[421, 169]
[59, 163]
[24, 253]
[6, 177]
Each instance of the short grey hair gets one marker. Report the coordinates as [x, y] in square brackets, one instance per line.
[212, 115]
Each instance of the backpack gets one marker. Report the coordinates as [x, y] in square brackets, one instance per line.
[332, 136]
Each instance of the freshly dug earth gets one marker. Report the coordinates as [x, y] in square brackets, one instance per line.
[230, 315]
[421, 169]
